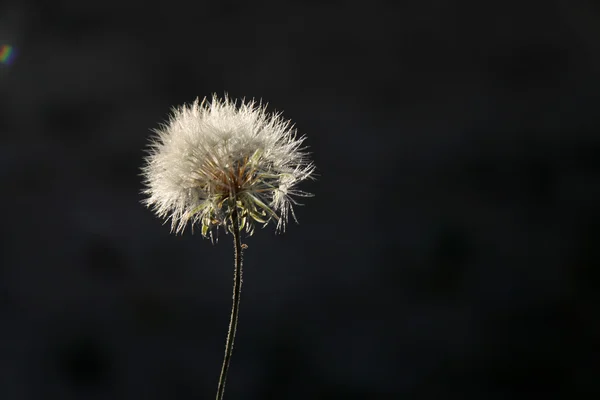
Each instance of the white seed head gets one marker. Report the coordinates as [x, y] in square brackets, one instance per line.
[212, 156]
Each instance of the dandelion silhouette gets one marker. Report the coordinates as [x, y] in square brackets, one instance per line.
[219, 164]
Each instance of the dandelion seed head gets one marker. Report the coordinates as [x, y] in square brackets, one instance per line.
[212, 156]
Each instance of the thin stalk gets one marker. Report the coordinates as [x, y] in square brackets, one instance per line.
[237, 291]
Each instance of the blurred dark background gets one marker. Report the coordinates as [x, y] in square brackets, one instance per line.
[451, 250]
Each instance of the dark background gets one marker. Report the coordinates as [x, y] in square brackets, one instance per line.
[451, 250]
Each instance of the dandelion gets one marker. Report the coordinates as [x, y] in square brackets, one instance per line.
[219, 164]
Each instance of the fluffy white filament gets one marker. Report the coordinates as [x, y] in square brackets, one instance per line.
[213, 156]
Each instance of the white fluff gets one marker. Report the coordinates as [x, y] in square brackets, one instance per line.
[210, 153]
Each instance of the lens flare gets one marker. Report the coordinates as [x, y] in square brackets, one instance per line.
[7, 54]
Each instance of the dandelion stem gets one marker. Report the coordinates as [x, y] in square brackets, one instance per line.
[237, 291]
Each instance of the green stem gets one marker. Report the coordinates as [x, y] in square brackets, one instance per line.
[237, 291]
